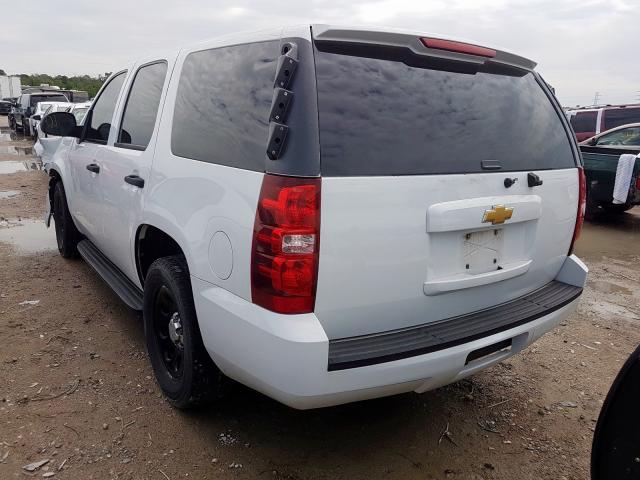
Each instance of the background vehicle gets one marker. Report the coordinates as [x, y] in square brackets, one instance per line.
[5, 107]
[74, 96]
[25, 106]
[39, 111]
[587, 122]
[600, 166]
[336, 247]
[623, 136]
[46, 145]
[79, 110]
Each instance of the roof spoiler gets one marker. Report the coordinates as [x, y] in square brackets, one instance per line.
[418, 45]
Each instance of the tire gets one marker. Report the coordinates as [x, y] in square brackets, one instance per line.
[591, 209]
[616, 208]
[26, 131]
[67, 234]
[12, 123]
[183, 369]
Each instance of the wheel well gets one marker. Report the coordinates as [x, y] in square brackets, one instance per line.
[152, 244]
[54, 177]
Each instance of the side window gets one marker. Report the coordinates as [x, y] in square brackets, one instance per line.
[141, 109]
[584, 122]
[103, 108]
[616, 117]
[626, 136]
[222, 105]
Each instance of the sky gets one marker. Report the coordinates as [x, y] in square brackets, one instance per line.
[581, 46]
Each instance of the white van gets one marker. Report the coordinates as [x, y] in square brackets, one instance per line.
[325, 214]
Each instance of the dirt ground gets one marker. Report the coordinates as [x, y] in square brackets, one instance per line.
[76, 387]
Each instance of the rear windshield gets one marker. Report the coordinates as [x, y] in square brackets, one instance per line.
[620, 116]
[47, 98]
[380, 117]
[81, 96]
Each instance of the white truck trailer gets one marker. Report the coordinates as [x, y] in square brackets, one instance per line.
[10, 86]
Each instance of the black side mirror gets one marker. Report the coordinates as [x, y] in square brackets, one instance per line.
[37, 117]
[615, 453]
[60, 124]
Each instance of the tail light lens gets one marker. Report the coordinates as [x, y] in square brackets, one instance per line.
[582, 205]
[458, 47]
[286, 235]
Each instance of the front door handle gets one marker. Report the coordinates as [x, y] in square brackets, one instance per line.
[93, 167]
[134, 180]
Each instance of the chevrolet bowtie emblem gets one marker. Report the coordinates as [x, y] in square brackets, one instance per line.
[497, 214]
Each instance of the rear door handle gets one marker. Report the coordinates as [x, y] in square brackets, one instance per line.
[533, 180]
[93, 167]
[134, 180]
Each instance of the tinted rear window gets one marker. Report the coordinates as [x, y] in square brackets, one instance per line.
[141, 109]
[584, 122]
[223, 103]
[47, 98]
[380, 117]
[620, 116]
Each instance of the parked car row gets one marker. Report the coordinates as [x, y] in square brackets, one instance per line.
[587, 122]
[26, 106]
[46, 145]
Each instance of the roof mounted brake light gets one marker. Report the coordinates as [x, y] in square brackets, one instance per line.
[457, 47]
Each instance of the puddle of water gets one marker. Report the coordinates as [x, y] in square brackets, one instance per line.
[28, 236]
[9, 136]
[16, 150]
[8, 194]
[12, 166]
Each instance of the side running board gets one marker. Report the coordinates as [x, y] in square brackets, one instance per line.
[128, 292]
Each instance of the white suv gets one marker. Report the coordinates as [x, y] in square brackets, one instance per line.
[323, 214]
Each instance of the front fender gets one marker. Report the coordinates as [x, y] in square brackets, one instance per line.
[58, 170]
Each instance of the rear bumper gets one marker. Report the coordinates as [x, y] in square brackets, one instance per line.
[287, 356]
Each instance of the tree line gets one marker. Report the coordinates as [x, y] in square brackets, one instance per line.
[78, 82]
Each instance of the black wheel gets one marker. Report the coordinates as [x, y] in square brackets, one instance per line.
[12, 123]
[185, 372]
[67, 234]
[591, 208]
[26, 131]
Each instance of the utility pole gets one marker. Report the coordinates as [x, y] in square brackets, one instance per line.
[596, 97]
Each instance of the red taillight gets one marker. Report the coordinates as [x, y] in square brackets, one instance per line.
[638, 183]
[286, 235]
[458, 47]
[582, 205]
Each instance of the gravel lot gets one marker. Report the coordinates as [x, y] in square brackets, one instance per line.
[76, 388]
